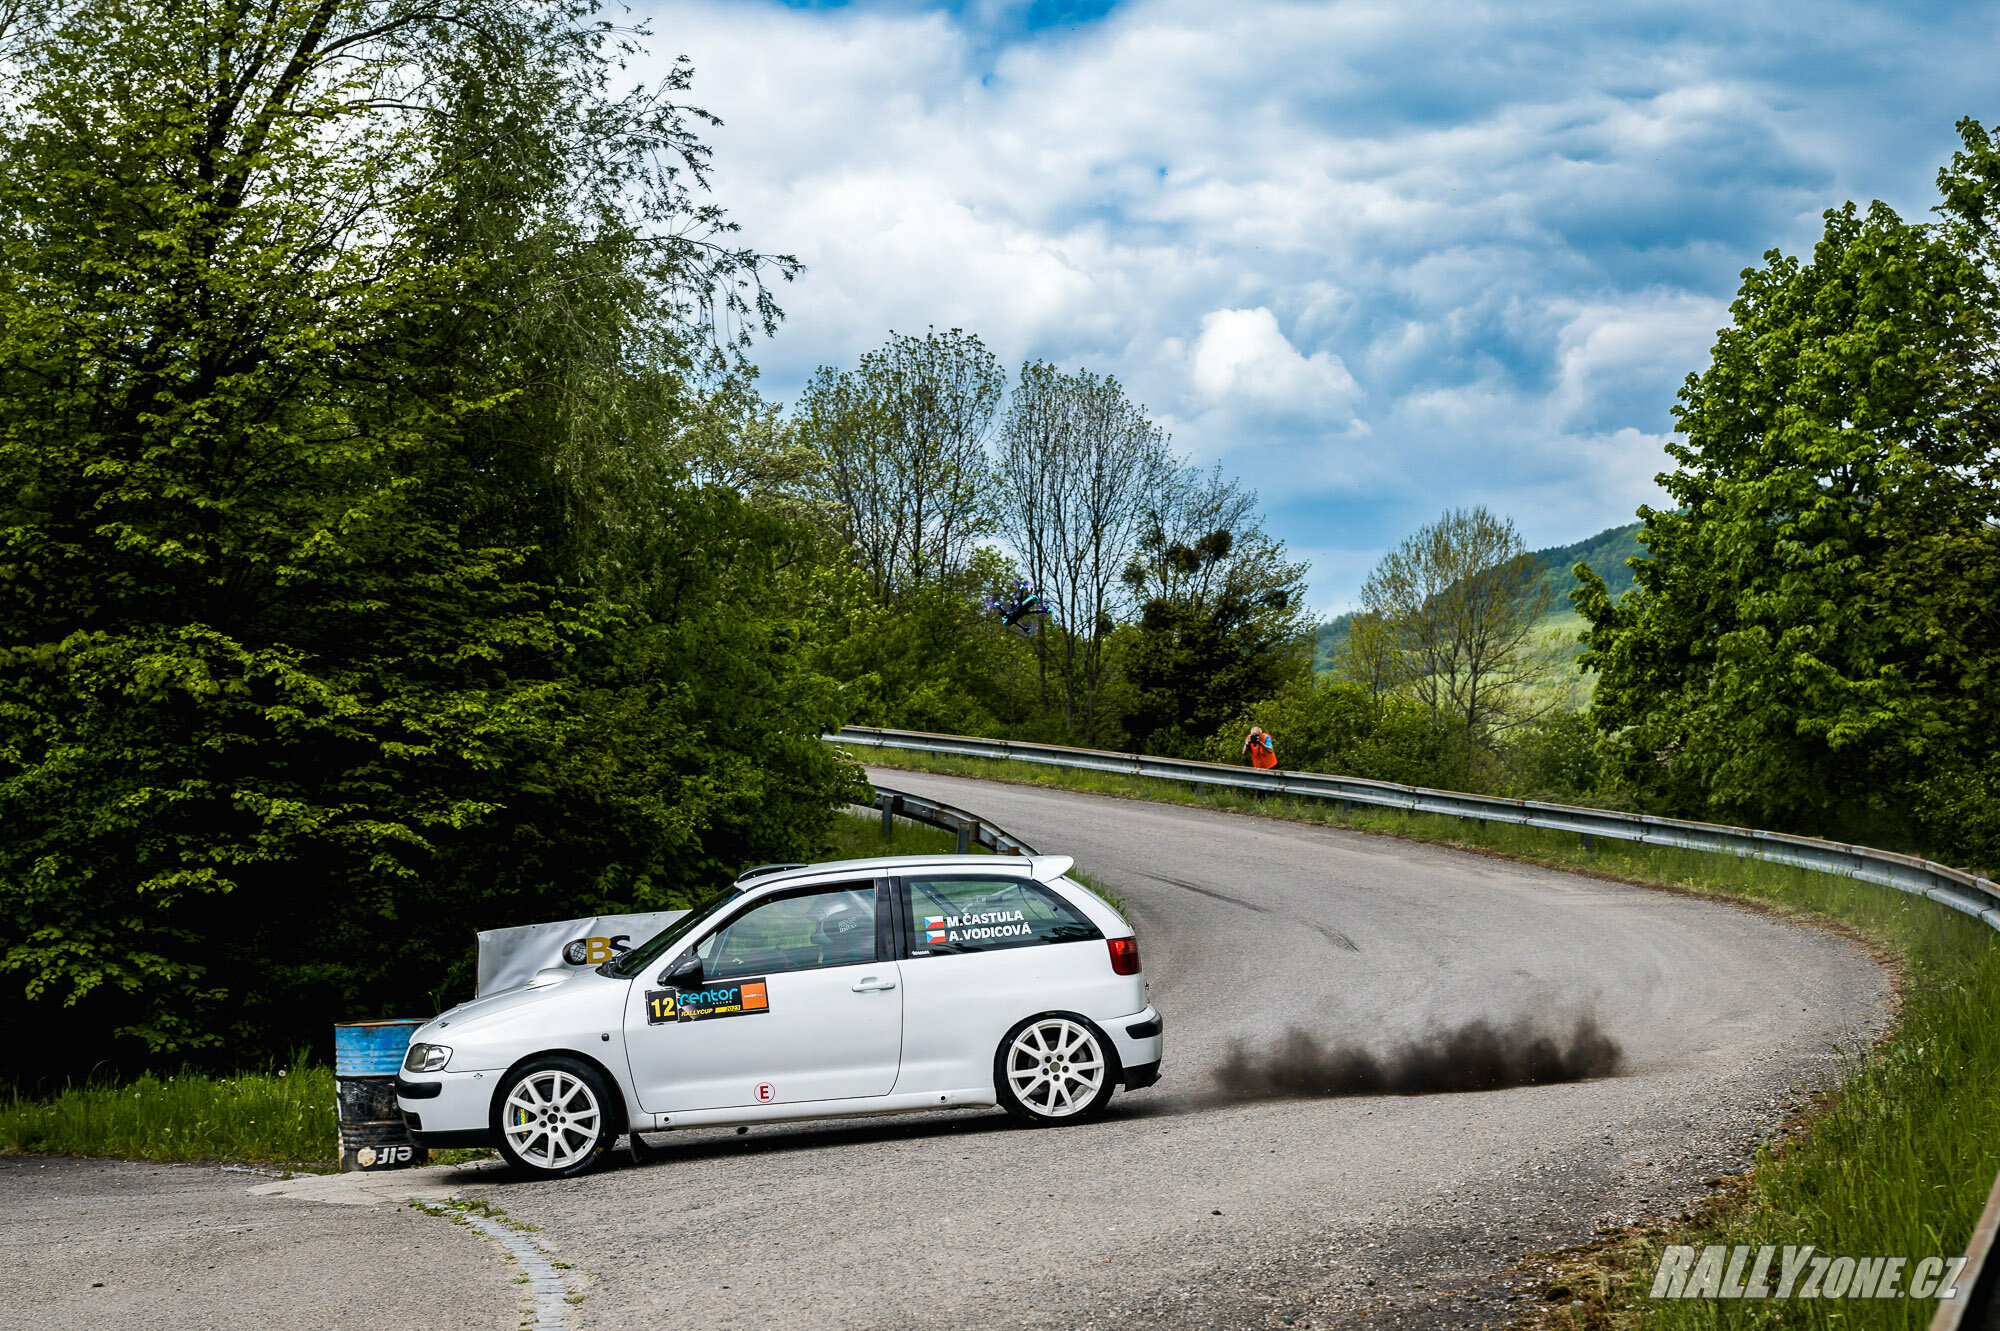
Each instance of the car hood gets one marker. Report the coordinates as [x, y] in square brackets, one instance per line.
[481, 1012]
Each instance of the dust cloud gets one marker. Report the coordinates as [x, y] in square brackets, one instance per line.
[1478, 1056]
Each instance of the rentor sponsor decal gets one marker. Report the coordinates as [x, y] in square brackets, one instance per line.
[739, 998]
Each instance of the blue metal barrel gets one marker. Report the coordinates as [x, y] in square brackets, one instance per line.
[367, 1055]
[372, 1048]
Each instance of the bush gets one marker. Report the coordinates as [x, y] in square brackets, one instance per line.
[1554, 759]
[1959, 812]
[1329, 725]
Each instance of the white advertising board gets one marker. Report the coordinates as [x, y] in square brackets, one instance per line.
[509, 958]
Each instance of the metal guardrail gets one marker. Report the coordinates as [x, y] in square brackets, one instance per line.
[971, 828]
[1959, 889]
[1978, 1301]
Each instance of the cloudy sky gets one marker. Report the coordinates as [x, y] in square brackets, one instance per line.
[1376, 258]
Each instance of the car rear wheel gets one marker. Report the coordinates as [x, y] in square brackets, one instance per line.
[556, 1117]
[1054, 1069]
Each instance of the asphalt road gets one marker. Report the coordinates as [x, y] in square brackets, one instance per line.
[112, 1245]
[1179, 1209]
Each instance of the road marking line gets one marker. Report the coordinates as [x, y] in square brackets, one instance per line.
[544, 1282]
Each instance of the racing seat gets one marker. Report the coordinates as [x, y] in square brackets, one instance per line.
[845, 937]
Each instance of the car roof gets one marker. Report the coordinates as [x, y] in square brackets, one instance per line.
[1041, 868]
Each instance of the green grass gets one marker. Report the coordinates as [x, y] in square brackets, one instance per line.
[1897, 1162]
[1111, 898]
[284, 1116]
[858, 836]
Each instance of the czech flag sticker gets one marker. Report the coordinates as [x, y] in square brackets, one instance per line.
[934, 925]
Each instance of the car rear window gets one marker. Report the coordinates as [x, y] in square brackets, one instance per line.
[966, 913]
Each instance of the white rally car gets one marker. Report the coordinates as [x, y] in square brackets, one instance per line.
[806, 991]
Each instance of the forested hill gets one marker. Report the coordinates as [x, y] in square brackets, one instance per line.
[1605, 553]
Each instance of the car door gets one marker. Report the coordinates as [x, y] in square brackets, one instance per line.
[798, 1000]
[981, 951]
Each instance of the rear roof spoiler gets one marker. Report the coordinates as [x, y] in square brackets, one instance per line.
[1048, 868]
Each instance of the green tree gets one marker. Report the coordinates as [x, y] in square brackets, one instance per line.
[1080, 467]
[1457, 603]
[731, 435]
[1367, 654]
[349, 597]
[936, 660]
[1813, 634]
[1222, 615]
[903, 446]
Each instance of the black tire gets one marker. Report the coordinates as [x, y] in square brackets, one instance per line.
[564, 1122]
[1064, 1092]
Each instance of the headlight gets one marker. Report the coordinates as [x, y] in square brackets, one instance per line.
[427, 1058]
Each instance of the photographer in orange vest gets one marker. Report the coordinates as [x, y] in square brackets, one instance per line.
[1258, 745]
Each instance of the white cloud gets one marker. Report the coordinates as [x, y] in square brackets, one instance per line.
[1241, 357]
[1605, 352]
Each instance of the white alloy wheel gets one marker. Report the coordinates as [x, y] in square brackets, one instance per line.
[1055, 1068]
[553, 1120]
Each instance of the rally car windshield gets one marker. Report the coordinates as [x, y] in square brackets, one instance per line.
[631, 963]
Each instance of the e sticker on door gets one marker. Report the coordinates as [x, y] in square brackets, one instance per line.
[739, 998]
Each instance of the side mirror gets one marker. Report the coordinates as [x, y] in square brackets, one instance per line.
[686, 971]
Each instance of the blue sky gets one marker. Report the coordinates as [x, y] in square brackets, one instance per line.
[1378, 259]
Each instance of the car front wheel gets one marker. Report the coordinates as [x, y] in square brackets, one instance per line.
[556, 1117]
[1054, 1069]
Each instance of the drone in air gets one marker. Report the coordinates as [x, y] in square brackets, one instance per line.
[1018, 609]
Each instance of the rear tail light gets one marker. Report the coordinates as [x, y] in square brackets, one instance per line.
[1124, 955]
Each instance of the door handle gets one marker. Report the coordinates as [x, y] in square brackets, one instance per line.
[870, 985]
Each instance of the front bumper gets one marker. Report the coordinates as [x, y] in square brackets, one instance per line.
[454, 1141]
[1138, 1055]
[447, 1105]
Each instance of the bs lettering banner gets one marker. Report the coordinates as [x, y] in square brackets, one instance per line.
[510, 957]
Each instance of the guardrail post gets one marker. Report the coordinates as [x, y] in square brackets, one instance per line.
[1975, 1281]
[1589, 841]
[1343, 806]
[964, 837]
[1201, 790]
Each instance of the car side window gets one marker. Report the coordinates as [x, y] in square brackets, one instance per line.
[964, 913]
[795, 932]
